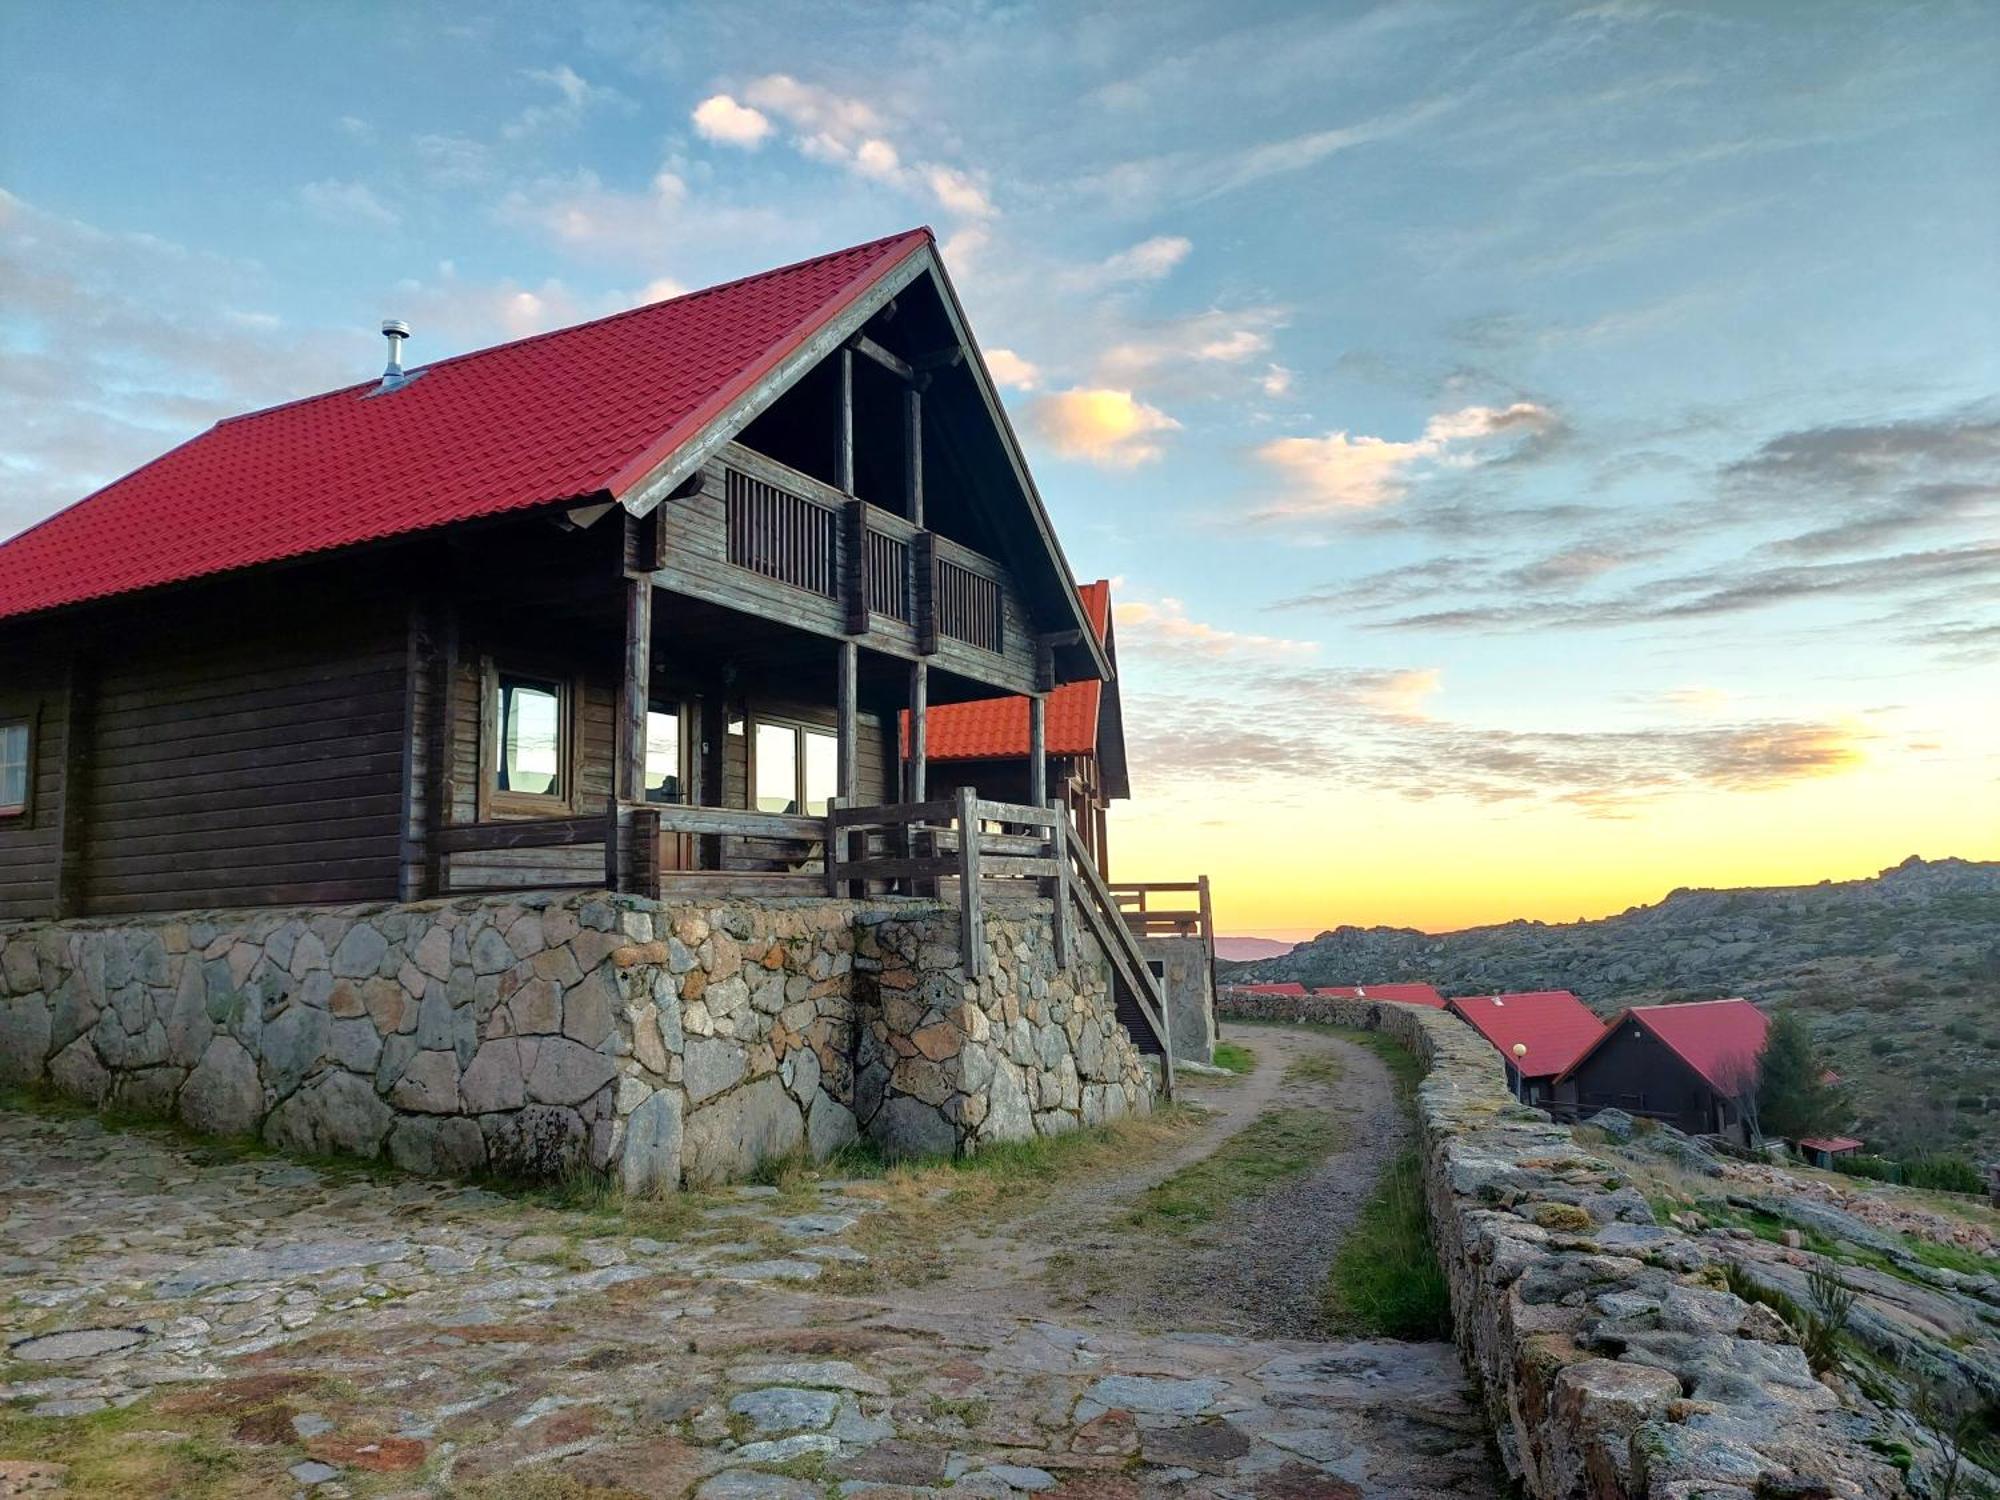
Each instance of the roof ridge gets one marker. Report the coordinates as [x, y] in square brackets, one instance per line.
[923, 230]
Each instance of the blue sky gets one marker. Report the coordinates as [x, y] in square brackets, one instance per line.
[1549, 452]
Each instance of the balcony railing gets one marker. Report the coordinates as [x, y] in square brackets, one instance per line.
[790, 528]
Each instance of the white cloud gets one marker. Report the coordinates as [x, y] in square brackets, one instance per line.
[1276, 381]
[1107, 427]
[720, 118]
[1149, 260]
[347, 203]
[958, 192]
[574, 97]
[842, 131]
[452, 160]
[1342, 471]
[659, 289]
[1009, 369]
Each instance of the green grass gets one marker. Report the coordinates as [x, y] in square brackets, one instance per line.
[1278, 1144]
[1316, 1067]
[1233, 1057]
[133, 1451]
[1385, 1281]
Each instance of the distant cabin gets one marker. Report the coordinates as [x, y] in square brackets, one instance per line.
[1402, 994]
[1537, 1033]
[1685, 1065]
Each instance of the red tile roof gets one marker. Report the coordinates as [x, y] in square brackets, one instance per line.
[583, 411]
[997, 728]
[1716, 1038]
[1832, 1144]
[1553, 1025]
[1289, 987]
[1407, 994]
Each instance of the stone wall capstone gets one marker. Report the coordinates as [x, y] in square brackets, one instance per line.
[534, 1033]
[1613, 1361]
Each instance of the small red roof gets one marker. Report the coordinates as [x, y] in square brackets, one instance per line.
[1719, 1039]
[1832, 1144]
[997, 728]
[1407, 994]
[583, 411]
[1290, 987]
[1553, 1025]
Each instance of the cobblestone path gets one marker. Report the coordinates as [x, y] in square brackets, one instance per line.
[271, 1328]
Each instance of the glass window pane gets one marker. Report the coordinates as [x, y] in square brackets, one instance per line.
[663, 755]
[822, 770]
[530, 737]
[13, 766]
[777, 749]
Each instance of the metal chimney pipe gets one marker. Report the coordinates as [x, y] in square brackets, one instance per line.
[395, 330]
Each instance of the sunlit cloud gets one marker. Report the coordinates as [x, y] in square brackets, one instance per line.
[720, 118]
[1343, 471]
[1163, 627]
[1104, 426]
[1009, 369]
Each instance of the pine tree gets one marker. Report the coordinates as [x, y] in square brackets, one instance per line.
[1794, 1096]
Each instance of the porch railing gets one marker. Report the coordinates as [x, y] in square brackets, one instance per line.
[1136, 901]
[782, 535]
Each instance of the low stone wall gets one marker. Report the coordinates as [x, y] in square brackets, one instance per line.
[1612, 1360]
[530, 1034]
[1187, 978]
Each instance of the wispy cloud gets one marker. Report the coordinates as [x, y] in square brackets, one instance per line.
[354, 204]
[575, 97]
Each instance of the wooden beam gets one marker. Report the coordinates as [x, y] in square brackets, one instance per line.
[440, 784]
[971, 912]
[854, 565]
[920, 742]
[844, 472]
[1038, 750]
[923, 601]
[848, 690]
[939, 359]
[913, 455]
[863, 345]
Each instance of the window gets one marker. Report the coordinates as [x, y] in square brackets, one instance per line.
[777, 747]
[533, 743]
[663, 755]
[797, 767]
[13, 768]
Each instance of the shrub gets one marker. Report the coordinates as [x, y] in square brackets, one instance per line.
[1832, 1300]
[1945, 1173]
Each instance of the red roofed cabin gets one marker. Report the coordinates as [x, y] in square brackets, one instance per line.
[1684, 1064]
[628, 603]
[1538, 1033]
[1402, 994]
[989, 743]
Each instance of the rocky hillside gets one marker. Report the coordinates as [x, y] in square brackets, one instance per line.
[1899, 976]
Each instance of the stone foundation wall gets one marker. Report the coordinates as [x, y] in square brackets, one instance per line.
[947, 1063]
[532, 1034]
[1612, 1359]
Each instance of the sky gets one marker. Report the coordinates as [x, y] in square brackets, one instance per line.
[1546, 453]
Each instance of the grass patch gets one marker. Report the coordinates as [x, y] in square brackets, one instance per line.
[1234, 1057]
[1386, 1281]
[124, 1453]
[1316, 1067]
[1278, 1144]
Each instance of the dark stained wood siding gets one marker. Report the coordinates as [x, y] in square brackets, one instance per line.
[1637, 1072]
[34, 686]
[247, 748]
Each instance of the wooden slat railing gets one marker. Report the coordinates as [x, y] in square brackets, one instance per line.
[968, 606]
[782, 535]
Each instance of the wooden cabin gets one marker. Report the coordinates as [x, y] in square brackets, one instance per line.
[629, 603]
[988, 743]
[1686, 1065]
[1538, 1034]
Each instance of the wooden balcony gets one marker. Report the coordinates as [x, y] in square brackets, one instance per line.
[765, 539]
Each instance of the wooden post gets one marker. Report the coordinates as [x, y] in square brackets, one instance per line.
[1208, 937]
[913, 454]
[629, 782]
[1059, 895]
[1038, 750]
[920, 735]
[972, 918]
[1103, 850]
[444, 693]
[847, 688]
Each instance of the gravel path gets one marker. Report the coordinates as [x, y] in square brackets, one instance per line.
[1256, 1273]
